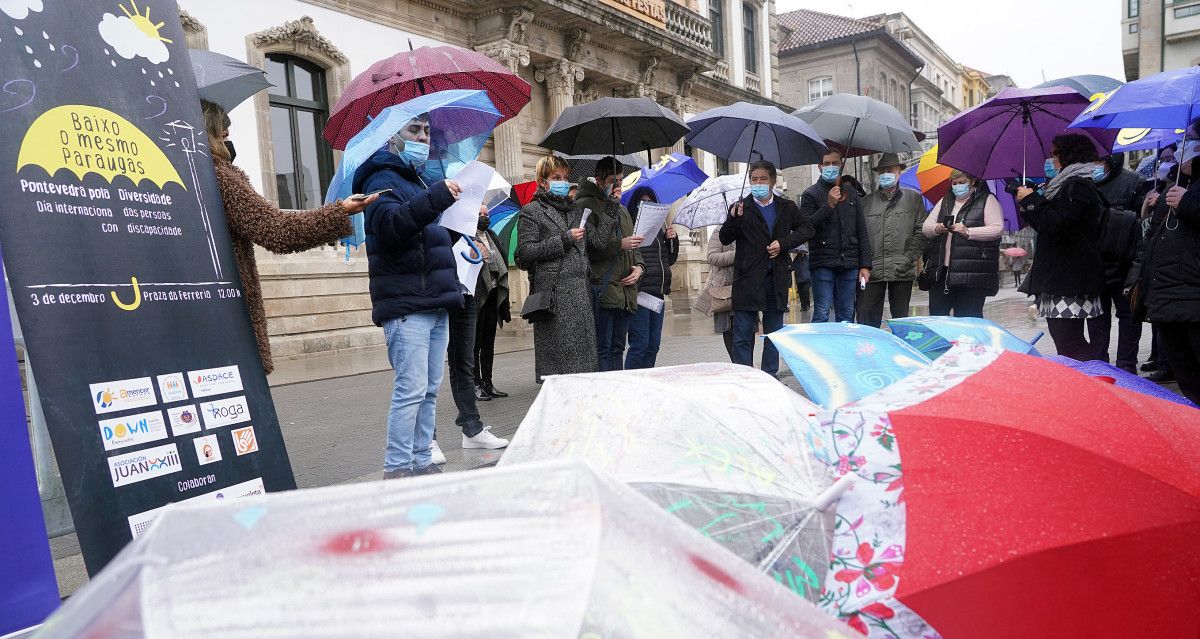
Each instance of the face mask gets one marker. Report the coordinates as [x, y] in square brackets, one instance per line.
[1051, 172]
[1164, 170]
[1099, 174]
[961, 190]
[560, 188]
[760, 191]
[830, 173]
[887, 180]
[483, 223]
[232, 151]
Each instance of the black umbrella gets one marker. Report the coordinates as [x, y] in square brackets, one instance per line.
[584, 166]
[614, 126]
[224, 80]
[744, 132]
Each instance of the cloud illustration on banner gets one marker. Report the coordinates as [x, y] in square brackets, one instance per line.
[19, 9]
[134, 35]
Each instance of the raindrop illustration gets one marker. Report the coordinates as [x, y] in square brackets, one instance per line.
[160, 74]
[176, 84]
[37, 63]
[152, 83]
[45, 36]
[106, 52]
[171, 71]
[28, 49]
[143, 72]
[113, 62]
[52, 47]
[18, 30]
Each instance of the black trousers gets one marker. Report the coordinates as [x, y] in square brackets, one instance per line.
[485, 339]
[803, 292]
[963, 302]
[460, 355]
[1181, 343]
[1129, 332]
[870, 301]
[1069, 339]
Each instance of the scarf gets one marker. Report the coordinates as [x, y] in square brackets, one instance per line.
[1079, 169]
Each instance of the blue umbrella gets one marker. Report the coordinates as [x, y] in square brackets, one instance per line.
[744, 132]
[1162, 101]
[460, 121]
[1143, 139]
[840, 363]
[1135, 383]
[673, 177]
[934, 335]
[909, 178]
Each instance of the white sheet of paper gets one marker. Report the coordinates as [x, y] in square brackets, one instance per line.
[583, 220]
[468, 273]
[651, 302]
[651, 216]
[463, 215]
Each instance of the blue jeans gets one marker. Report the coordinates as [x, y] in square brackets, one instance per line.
[645, 335]
[416, 346]
[746, 322]
[834, 289]
[611, 326]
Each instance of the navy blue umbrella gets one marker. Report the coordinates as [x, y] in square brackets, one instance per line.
[744, 132]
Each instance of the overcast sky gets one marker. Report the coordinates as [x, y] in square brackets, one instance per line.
[1019, 38]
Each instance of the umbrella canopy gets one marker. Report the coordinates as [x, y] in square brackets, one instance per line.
[1087, 84]
[744, 132]
[1033, 513]
[225, 81]
[410, 74]
[1161, 101]
[614, 126]
[1015, 251]
[1143, 139]
[933, 180]
[523, 192]
[934, 335]
[709, 204]
[503, 222]
[584, 166]
[568, 552]
[1129, 381]
[859, 125]
[673, 177]
[909, 179]
[726, 454]
[1010, 134]
[839, 363]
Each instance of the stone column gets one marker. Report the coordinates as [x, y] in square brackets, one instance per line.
[507, 136]
[560, 77]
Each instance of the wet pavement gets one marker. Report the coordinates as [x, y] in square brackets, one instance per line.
[334, 427]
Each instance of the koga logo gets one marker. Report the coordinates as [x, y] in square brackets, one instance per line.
[141, 465]
[110, 397]
[215, 381]
[224, 412]
[132, 430]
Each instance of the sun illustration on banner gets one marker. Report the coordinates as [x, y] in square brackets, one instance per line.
[135, 34]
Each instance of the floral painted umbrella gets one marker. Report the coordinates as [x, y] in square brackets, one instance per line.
[934, 335]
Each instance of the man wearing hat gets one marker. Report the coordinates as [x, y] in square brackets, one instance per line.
[894, 215]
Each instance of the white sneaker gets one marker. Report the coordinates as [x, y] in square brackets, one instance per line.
[436, 452]
[1032, 311]
[485, 439]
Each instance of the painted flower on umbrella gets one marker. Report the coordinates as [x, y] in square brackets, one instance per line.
[913, 336]
[882, 432]
[875, 611]
[865, 348]
[879, 572]
[850, 463]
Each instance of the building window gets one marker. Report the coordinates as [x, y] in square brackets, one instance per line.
[750, 29]
[722, 167]
[299, 108]
[1133, 27]
[716, 15]
[1184, 12]
[1133, 8]
[820, 88]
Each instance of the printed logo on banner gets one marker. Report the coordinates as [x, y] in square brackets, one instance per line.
[110, 397]
[224, 412]
[141, 465]
[215, 381]
[244, 441]
[140, 522]
[133, 430]
[207, 449]
[172, 388]
[184, 420]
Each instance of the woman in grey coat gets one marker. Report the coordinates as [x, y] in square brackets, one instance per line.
[550, 247]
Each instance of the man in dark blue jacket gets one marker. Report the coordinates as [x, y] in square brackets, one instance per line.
[413, 284]
[840, 253]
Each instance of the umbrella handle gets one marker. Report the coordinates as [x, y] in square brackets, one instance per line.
[833, 493]
[466, 256]
[1035, 339]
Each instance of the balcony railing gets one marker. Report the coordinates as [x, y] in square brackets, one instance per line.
[753, 84]
[689, 25]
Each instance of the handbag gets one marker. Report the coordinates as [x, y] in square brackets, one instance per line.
[538, 307]
[722, 298]
[928, 274]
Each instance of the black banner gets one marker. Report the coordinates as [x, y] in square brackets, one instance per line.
[120, 262]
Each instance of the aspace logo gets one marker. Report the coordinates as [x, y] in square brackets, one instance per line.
[183, 420]
[215, 381]
[172, 388]
[141, 465]
[224, 412]
[133, 430]
[110, 397]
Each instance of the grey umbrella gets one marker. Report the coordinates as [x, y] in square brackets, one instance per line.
[858, 125]
[614, 126]
[744, 132]
[224, 80]
[584, 166]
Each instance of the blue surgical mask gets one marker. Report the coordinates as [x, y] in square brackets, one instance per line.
[887, 180]
[1099, 173]
[830, 173]
[960, 190]
[415, 153]
[760, 191]
[560, 188]
[1051, 172]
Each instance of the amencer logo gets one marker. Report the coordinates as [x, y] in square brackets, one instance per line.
[141, 465]
[111, 397]
[215, 381]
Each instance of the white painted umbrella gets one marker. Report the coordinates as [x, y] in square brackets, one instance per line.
[709, 204]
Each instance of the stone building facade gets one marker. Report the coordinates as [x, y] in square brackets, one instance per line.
[570, 51]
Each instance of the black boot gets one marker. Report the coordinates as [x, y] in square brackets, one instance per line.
[482, 395]
[491, 390]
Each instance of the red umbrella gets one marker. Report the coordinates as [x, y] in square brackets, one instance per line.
[1015, 251]
[1044, 503]
[523, 193]
[407, 75]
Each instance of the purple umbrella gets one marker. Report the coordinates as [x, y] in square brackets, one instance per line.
[1010, 135]
[1097, 368]
[1008, 204]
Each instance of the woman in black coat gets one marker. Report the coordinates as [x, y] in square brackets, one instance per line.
[1166, 276]
[1067, 275]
